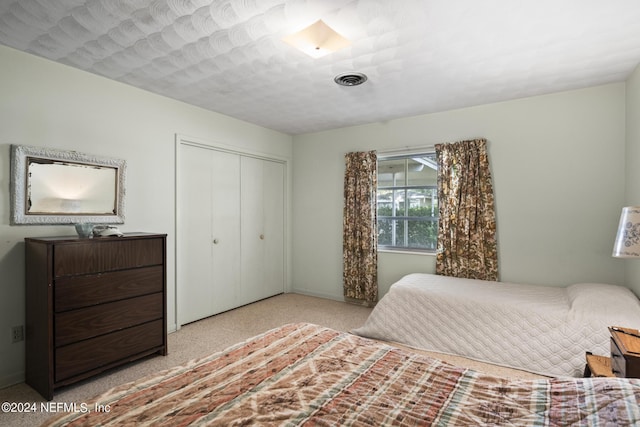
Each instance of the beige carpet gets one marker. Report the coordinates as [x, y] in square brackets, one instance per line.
[213, 334]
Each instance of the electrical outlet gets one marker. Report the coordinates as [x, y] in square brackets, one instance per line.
[17, 334]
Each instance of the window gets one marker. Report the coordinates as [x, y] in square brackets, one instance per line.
[408, 202]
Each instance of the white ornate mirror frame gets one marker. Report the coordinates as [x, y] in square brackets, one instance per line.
[50, 186]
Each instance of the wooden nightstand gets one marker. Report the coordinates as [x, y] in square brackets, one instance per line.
[625, 352]
[625, 356]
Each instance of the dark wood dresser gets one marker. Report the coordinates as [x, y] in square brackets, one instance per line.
[91, 305]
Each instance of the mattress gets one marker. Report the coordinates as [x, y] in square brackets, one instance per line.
[304, 374]
[540, 329]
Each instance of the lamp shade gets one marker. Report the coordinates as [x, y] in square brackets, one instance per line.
[627, 243]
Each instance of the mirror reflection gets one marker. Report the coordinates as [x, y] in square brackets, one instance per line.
[70, 188]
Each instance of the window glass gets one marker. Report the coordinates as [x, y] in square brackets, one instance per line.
[407, 202]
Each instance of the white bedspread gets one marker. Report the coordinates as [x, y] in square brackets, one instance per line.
[541, 329]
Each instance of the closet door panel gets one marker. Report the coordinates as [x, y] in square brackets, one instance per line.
[225, 235]
[252, 231]
[262, 228]
[209, 233]
[274, 219]
[194, 245]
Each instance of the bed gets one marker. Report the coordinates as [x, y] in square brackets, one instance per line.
[305, 374]
[540, 329]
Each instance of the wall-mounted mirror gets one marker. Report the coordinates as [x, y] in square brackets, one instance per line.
[50, 186]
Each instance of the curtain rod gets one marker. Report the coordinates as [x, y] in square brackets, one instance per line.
[406, 150]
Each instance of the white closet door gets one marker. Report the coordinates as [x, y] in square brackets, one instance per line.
[209, 229]
[274, 220]
[225, 217]
[194, 244]
[262, 228]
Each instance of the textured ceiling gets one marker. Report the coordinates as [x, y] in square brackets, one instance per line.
[420, 56]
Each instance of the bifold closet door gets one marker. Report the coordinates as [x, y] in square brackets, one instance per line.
[209, 230]
[262, 228]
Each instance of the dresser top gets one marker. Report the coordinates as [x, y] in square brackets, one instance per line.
[58, 239]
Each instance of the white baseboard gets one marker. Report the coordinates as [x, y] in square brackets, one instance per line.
[301, 291]
[13, 379]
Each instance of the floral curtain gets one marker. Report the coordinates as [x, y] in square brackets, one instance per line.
[360, 237]
[467, 244]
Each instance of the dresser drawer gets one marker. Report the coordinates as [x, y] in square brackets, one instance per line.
[85, 356]
[94, 256]
[76, 325]
[618, 362]
[81, 291]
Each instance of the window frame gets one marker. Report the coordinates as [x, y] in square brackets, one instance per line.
[405, 188]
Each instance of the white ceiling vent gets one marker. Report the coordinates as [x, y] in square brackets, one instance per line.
[350, 79]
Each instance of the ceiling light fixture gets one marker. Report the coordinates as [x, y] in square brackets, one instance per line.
[350, 79]
[317, 40]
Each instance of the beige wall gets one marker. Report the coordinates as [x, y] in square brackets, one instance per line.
[632, 190]
[558, 169]
[46, 104]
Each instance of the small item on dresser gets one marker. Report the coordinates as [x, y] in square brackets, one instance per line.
[106, 231]
[84, 230]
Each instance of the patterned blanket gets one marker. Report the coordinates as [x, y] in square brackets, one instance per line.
[303, 374]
